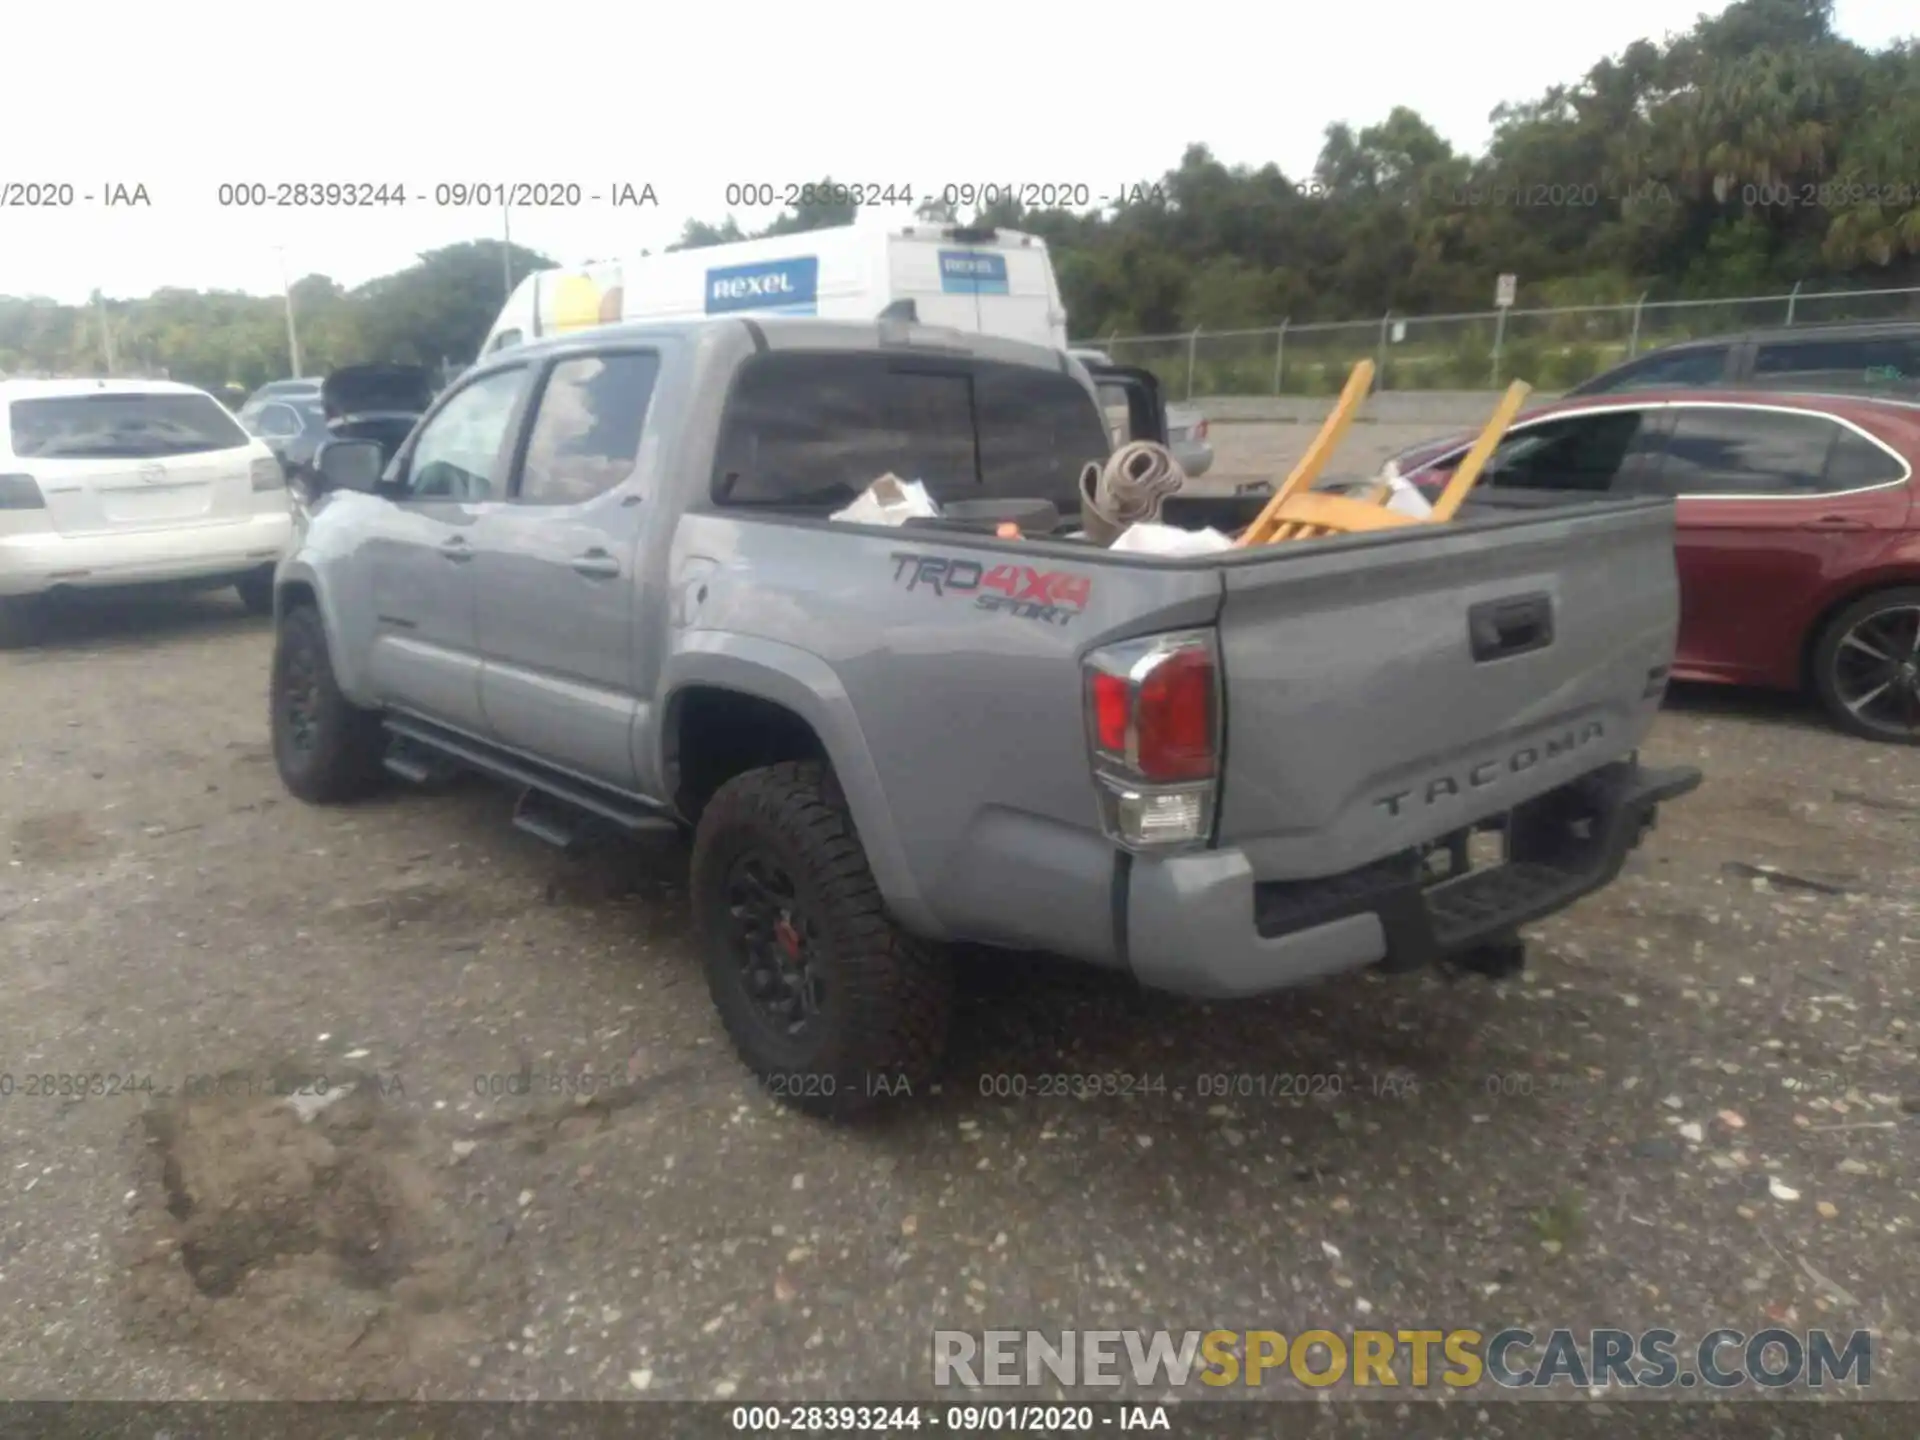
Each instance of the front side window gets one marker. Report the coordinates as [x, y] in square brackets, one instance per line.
[1731, 451]
[458, 451]
[1584, 452]
[586, 434]
[120, 424]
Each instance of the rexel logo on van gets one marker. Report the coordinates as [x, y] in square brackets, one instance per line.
[783, 287]
[972, 272]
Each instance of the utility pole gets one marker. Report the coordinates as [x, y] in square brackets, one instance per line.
[506, 249]
[293, 336]
[106, 331]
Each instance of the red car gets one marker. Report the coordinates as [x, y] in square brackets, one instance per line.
[1798, 542]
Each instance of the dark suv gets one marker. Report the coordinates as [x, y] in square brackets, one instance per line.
[1876, 359]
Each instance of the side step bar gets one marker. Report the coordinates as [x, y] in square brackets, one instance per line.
[553, 806]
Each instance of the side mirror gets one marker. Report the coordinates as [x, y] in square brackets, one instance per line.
[350, 465]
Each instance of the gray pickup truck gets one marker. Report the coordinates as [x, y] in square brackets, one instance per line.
[602, 569]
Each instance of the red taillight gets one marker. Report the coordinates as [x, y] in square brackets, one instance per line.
[1111, 701]
[1153, 724]
[1174, 716]
[1200, 431]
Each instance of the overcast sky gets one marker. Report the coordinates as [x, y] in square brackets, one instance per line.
[182, 98]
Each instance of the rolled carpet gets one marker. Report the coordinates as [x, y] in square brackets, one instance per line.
[1127, 489]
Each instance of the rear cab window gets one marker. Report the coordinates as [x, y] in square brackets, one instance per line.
[813, 431]
[120, 425]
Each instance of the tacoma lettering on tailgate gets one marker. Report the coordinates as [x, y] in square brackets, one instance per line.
[1487, 772]
[1053, 597]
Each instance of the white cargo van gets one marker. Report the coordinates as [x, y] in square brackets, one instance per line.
[993, 282]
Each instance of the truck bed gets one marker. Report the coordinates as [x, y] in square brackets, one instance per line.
[1359, 722]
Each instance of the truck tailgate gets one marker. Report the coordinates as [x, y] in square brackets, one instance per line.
[1382, 693]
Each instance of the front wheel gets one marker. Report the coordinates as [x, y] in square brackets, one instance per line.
[828, 1002]
[1866, 667]
[326, 748]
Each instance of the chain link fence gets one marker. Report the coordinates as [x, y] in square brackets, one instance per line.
[1550, 349]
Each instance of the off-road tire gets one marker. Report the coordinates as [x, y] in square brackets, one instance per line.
[1823, 663]
[256, 590]
[882, 1025]
[343, 760]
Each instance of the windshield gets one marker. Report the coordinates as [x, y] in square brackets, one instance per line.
[121, 425]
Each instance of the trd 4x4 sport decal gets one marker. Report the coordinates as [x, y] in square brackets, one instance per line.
[1052, 597]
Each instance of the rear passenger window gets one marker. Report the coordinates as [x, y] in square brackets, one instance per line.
[1888, 363]
[1733, 451]
[1856, 462]
[586, 433]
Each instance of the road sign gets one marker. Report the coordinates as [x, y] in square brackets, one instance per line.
[1503, 292]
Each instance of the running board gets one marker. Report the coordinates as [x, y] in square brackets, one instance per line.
[547, 793]
[546, 820]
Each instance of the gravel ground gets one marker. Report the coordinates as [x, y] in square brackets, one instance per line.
[1695, 1108]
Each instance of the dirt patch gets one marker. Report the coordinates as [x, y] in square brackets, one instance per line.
[56, 837]
[314, 1251]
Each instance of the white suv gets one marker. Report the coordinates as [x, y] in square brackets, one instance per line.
[131, 482]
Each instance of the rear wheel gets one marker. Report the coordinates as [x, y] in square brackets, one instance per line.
[828, 1001]
[1866, 667]
[256, 590]
[327, 748]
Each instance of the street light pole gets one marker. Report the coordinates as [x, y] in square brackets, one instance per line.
[286, 290]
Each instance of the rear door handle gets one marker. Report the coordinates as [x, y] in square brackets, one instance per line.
[1837, 522]
[1497, 629]
[456, 548]
[596, 565]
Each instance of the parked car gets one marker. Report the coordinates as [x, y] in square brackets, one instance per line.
[885, 739]
[1186, 425]
[291, 425]
[302, 389]
[122, 482]
[1874, 359]
[376, 401]
[1797, 538]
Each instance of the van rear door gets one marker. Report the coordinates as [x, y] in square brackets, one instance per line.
[981, 280]
[568, 300]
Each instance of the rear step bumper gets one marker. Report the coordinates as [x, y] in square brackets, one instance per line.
[1203, 925]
